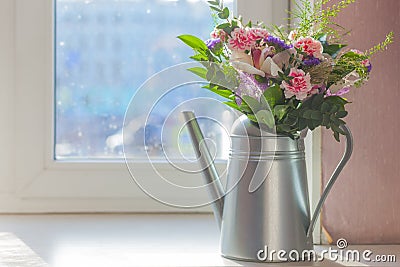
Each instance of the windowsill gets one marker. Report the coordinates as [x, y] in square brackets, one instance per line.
[128, 240]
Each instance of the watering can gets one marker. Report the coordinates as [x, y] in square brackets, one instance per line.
[265, 216]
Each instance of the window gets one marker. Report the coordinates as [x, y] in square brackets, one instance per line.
[104, 51]
[31, 180]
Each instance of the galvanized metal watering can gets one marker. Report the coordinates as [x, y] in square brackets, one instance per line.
[267, 209]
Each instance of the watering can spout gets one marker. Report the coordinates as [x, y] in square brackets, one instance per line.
[216, 191]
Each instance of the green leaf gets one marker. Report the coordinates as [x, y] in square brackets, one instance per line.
[193, 42]
[253, 104]
[336, 135]
[334, 109]
[280, 111]
[337, 129]
[282, 128]
[333, 49]
[291, 120]
[302, 124]
[336, 100]
[317, 101]
[325, 120]
[260, 79]
[222, 92]
[214, 3]
[341, 114]
[233, 105]
[252, 118]
[216, 8]
[316, 115]
[325, 107]
[210, 74]
[337, 121]
[223, 26]
[310, 125]
[199, 71]
[274, 96]
[315, 124]
[266, 117]
[199, 57]
[224, 14]
[307, 114]
[244, 108]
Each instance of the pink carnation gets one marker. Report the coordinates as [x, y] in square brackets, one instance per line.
[310, 46]
[218, 33]
[256, 34]
[300, 86]
[239, 40]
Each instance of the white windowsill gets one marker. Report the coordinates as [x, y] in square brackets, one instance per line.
[126, 240]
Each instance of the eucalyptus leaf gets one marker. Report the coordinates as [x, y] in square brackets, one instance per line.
[334, 109]
[214, 3]
[216, 8]
[302, 124]
[325, 107]
[337, 129]
[316, 115]
[223, 26]
[317, 101]
[224, 14]
[307, 114]
[336, 135]
[325, 120]
[341, 114]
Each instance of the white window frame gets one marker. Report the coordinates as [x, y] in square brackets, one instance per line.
[30, 179]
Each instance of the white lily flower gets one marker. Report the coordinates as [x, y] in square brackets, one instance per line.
[283, 57]
[247, 68]
[242, 57]
[270, 67]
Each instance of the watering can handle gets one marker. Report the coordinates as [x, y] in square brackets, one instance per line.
[332, 180]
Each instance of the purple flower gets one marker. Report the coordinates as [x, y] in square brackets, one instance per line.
[341, 92]
[211, 43]
[368, 65]
[312, 61]
[278, 42]
[248, 85]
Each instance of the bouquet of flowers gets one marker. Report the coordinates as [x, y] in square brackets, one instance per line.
[290, 78]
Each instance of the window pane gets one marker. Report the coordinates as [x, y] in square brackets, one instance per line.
[105, 49]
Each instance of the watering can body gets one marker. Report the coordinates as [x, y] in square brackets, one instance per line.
[275, 216]
[265, 209]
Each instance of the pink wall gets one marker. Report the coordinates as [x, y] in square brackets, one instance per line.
[364, 206]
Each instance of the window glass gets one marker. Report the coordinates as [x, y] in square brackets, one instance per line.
[105, 49]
